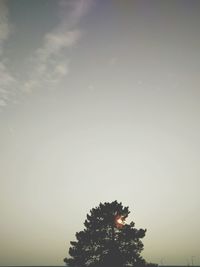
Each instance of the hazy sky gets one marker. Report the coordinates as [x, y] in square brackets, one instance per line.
[99, 101]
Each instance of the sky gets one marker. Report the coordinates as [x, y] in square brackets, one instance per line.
[99, 101]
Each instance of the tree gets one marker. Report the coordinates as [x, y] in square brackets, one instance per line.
[107, 240]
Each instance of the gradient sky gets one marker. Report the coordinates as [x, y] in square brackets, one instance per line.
[99, 101]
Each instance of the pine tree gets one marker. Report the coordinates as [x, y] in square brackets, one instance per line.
[107, 240]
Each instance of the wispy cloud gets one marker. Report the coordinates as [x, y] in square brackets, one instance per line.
[49, 64]
[4, 24]
[75, 10]
[49, 67]
[7, 83]
[55, 42]
[7, 80]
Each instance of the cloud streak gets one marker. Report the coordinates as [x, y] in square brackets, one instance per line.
[56, 41]
[49, 66]
[7, 83]
[49, 63]
[7, 80]
[4, 24]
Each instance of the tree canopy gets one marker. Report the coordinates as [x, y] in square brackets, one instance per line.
[107, 240]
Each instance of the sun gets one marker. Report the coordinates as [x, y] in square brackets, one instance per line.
[119, 221]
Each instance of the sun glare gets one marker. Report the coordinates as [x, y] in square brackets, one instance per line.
[119, 221]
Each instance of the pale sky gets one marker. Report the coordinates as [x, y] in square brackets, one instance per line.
[99, 101]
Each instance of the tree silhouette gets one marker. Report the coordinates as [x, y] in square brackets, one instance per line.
[107, 240]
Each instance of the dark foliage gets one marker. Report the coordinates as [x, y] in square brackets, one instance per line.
[104, 244]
